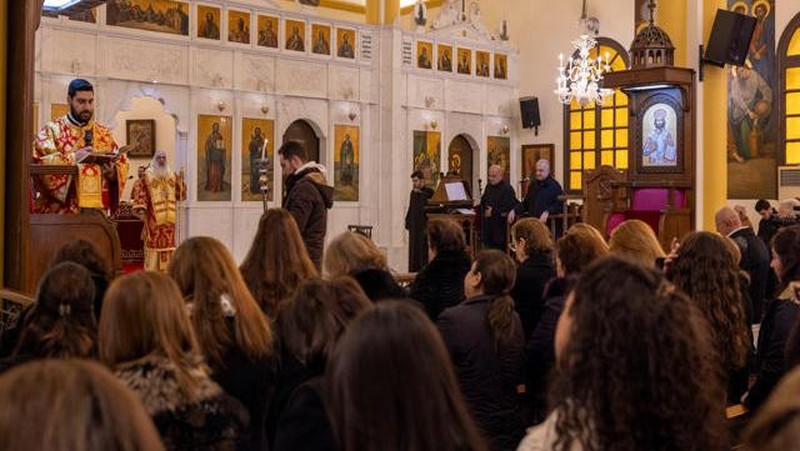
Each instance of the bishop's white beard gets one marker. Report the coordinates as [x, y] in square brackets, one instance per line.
[160, 171]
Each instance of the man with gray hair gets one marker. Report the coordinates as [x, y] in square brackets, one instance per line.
[155, 198]
[542, 198]
[755, 255]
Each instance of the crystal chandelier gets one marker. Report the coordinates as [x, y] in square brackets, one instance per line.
[580, 79]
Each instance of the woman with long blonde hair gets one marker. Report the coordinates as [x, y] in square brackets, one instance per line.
[277, 261]
[146, 338]
[233, 333]
[72, 405]
[635, 240]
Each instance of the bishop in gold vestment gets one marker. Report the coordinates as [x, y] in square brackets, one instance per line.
[155, 197]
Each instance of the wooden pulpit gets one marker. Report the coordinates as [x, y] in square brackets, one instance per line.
[48, 232]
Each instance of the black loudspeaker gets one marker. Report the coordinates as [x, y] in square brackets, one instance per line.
[529, 108]
[730, 38]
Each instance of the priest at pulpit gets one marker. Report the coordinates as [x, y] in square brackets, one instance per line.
[78, 140]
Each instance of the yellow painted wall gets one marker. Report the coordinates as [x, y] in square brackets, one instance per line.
[3, 64]
[672, 18]
[713, 149]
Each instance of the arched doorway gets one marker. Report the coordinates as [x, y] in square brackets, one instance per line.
[301, 131]
[460, 159]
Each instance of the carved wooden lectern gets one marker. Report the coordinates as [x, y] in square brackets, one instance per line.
[48, 232]
[451, 200]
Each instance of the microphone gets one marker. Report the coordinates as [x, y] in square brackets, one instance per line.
[88, 136]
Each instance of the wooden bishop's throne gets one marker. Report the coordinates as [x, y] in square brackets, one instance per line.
[658, 187]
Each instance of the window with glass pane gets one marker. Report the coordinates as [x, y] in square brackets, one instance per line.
[789, 58]
[597, 134]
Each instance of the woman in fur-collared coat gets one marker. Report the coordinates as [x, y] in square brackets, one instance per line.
[147, 339]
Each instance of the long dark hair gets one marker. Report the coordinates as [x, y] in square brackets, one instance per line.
[786, 246]
[392, 386]
[498, 274]
[62, 323]
[638, 370]
[705, 270]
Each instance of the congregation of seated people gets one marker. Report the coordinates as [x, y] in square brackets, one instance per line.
[579, 343]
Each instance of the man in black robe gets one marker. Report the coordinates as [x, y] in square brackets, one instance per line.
[415, 223]
[542, 198]
[497, 204]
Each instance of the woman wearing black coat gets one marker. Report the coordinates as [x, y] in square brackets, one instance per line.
[484, 337]
[534, 252]
[440, 284]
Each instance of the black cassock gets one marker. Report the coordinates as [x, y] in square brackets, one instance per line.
[415, 224]
[502, 199]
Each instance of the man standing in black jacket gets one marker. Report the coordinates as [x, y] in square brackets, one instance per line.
[755, 255]
[542, 198]
[497, 206]
[415, 222]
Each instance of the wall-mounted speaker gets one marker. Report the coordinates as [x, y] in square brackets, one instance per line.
[730, 38]
[529, 111]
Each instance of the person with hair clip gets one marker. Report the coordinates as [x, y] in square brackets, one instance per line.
[637, 368]
[147, 339]
[86, 254]
[309, 325]
[61, 324]
[486, 342]
[277, 261]
[706, 270]
[232, 331]
[391, 387]
[72, 405]
[778, 348]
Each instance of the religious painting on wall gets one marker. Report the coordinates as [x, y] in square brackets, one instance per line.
[268, 31]
[165, 16]
[346, 161]
[459, 159]
[295, 32]
[320, 39]
[88, 16]
[499, 152]
[345, 42]
[753, 128]
[500, 66]
[35, 118]
[142, 134]
[445, 58]
[58, 110]
[214, 144]
[660, 144]
[464, 61]
[239, 27]
[427, 155]
[255, 134]
[208, 22]
[482, 64]
[424, 54]
[531, 153]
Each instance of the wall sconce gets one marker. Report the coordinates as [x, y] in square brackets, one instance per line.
[221, 106]
[264, 109]
[434, 124]
[504, 129]
[352, 115]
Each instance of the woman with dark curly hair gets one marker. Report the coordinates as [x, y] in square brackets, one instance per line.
[638, 371]
[705, 270]
[778, 346]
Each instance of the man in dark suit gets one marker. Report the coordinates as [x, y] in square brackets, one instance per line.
[755, 255]
[497, 204]
[542, 198]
